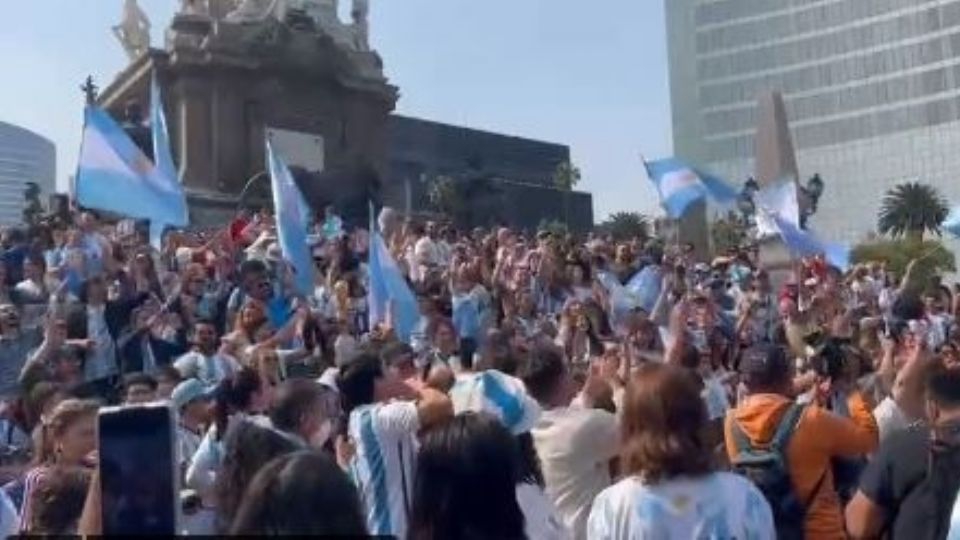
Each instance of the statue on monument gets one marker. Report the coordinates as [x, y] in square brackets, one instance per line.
[194, 7]
[323, 12]
[133, 32]
[361, 25]
[251, 11]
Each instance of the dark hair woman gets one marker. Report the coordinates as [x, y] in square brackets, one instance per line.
[671, 490]
[465, 487]
[239, 396]
[304, 493]
[247, 448]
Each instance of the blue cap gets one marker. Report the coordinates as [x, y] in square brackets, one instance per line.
[188, 391]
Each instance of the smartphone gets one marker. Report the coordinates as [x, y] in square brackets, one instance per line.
[140, 489]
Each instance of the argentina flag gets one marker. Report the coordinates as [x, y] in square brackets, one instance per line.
[115, 176]
[290, 211]
[389, 296]
[681, 185]
[807, 244]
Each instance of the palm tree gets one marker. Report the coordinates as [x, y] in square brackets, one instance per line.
[566, 177]
[626, 226]
[912, 209]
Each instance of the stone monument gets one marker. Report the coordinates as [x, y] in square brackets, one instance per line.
[230, 70]
[775, 161]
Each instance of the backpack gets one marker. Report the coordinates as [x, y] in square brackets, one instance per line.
[766, 467]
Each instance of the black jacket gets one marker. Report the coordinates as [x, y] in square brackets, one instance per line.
[164, 353]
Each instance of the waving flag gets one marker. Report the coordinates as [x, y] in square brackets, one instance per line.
[115, 176]
[952, 224]
[779, 199]
[163, 160]
[390, 291]
[806, 244]
[622, 300]
[288, 205]
[681, 185]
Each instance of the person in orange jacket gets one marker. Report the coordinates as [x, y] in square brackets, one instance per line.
[819, 435]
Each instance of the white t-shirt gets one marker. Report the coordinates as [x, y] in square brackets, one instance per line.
[954, 533]
[575, 446]
[890, 418]
[719, 505]
[541, 521]
[715, 397]
[382, 467]
[210, 370]
[425, 254]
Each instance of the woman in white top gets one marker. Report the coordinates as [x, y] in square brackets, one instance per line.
[671, 490]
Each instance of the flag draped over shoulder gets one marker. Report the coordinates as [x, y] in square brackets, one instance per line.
[680, 185]
[288, 205]
[389, 294]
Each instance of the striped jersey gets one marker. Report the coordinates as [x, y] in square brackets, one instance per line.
[383, 467]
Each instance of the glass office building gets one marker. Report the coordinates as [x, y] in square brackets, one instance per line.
[24, 157]
[872, 90]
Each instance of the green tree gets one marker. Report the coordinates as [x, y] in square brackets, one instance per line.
[912, 209]
[555, 227]
[626, 226]
[932, 257]
[567, 176]
[445, 196]
[728, 233]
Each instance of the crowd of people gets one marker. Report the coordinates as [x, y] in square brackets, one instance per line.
[554, 387]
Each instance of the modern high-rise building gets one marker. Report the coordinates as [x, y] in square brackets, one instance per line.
[872, 91]
[24, 157]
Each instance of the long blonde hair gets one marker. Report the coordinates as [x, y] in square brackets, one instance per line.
[63, 416]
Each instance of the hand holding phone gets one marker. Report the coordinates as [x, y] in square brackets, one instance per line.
[139, 480]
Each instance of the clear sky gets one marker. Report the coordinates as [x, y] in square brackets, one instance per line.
[558, 70]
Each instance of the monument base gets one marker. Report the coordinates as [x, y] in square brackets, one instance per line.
[211, 208]
[776, 259]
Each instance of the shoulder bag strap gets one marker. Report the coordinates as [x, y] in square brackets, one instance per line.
[788, 423]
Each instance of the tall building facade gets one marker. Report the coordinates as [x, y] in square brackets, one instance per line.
[24, 157]
[872, 91]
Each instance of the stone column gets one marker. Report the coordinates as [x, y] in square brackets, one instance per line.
[195, 139]
[776, 160]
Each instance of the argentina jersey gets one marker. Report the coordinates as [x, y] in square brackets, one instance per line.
[383, 467]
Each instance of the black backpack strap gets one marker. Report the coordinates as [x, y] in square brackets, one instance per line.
[740, 440]
[788, 423]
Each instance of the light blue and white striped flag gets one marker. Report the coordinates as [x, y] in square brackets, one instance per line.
[680, 185]
[115, 176]
[163, 160]
[390, 291]
[807, 244]
[288, 207]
